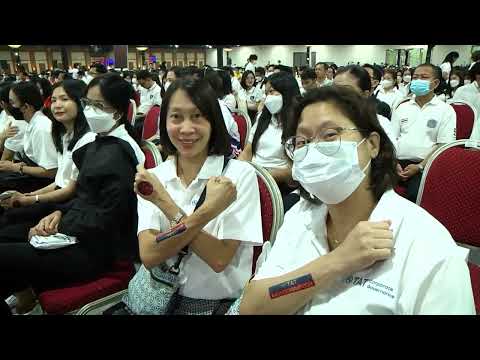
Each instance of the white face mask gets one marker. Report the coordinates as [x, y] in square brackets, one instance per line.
[407, 78]
[454, 83]
[274, 103]
[134, 80]
[387, 84]
[167, 84]
[98, 120]
[331, 179]
[466, 82]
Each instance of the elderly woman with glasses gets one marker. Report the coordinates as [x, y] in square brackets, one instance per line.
[352, 245]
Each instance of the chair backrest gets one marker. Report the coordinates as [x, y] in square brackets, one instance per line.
[466, 118]
[450, 190]
[244, 125]
[152, 155]
[271, 209]
[150, 124]
[132, 112]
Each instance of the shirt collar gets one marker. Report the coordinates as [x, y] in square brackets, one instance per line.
[38, 114]
[434, 101]
[213, 166]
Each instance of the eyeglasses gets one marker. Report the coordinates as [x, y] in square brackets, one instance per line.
[330, 135]
[95, 104]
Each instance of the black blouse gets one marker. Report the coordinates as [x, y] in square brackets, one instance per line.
[103, 214]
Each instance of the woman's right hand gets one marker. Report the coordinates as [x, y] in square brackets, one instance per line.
[158, 195]
[8, 203]
[221, 193]
[367, 243]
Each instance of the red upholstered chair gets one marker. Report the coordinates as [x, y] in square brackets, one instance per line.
[466, 117]
[401, 190]
[150, 124]
[450, 191]
[244, 125]
[271, 209]
[73, 297]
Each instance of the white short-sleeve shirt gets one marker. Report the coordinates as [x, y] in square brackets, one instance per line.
[38, 142]
[236, 87]
[418, 130]
[469, 93]
[4, 119]
[230, 101]
[122, 133]
[446, 67]
[427, 273]
[149, 98]
[230, 122]
[387, 126]
[67, 171]
[253, 96]
[392, 97]
[270, 151]
[240, 221]
[250, 67]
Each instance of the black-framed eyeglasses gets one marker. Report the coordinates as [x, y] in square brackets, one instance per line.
[95, 104]
[331, 135]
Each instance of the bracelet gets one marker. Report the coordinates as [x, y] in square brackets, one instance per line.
[21, 169]
[37, 200]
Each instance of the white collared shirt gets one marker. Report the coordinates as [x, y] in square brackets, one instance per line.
[392, 97]
[325, 82]
[253, 96]
[230, 101]
[418, 130]
[250, 67]
[427, 273]
[230, 123]
[38, 142]
[149, 97]
[4, 120]
[240, 221]
[388, 128]
[67, 170]
[469, 93]
[270, 152]
[122, 133]
[236, 86]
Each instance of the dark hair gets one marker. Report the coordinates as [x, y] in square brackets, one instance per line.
[28, 93]
[101, 69]
[117, 92]
[227, 82]
[270, 65]
[45, 85]
[308, 73]
[260, 70]
[176, 70]
[253, 57]
[286, 85]
[203, 96]
[215, 82]
[363, 79]
[4, 91]
[451, 57]
[377, 72]
[450, 89]
[244, 79]
[144, 74]
[228, 69]
[363, 114]
[474, 71]
[75, 89]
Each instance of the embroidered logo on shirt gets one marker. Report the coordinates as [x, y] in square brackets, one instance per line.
[432, 123]
[371, 285]
[403, 121]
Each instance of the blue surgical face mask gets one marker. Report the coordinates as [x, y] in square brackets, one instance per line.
[420, 87]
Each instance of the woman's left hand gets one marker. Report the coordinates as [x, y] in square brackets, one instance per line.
[9, 166]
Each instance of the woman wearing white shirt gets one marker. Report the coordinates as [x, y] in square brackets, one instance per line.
[404, 87]
[388, 91]
[250, 93]
[219, 259]
[264, 145]
[471, 92]
[365, 250]
[7, 129]
[38, 153]
[456, 81]
[447, 64]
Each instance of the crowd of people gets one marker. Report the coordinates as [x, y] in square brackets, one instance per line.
[335, 139]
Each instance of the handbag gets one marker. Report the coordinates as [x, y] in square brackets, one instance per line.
[155, 292]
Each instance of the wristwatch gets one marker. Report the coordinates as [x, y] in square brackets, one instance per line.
[37, 200]
[420, 166]
[20, 170]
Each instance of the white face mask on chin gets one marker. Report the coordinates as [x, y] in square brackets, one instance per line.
[331, 179]
[98, 120]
